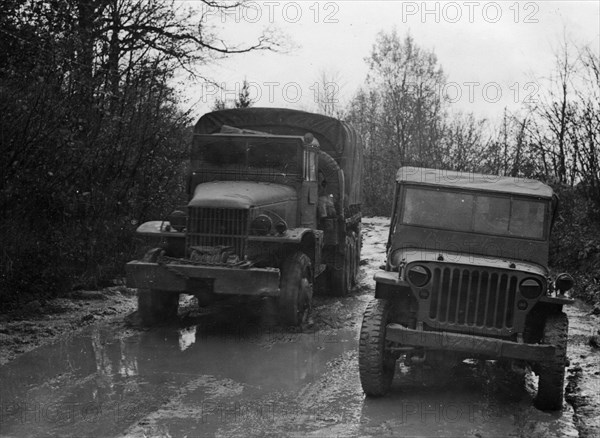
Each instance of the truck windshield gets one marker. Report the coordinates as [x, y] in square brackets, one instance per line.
[276, 154]
[474, 212]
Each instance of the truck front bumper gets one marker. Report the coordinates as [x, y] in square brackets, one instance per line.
[477, 345]
[198, 278]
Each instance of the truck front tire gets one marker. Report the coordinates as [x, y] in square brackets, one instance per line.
[552, 374]
[376, 363]
[156, 306]
[296, 289]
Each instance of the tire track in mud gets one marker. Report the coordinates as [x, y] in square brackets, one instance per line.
[583, 378]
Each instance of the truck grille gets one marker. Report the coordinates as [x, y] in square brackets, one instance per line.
[218, 227]
[472, 297]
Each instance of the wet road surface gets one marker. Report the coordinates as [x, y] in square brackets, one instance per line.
[233, 373]
[188, 382]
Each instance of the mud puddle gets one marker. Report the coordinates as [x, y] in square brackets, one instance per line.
[175, 381]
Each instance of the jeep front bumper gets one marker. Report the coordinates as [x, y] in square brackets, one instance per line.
[197, 278]
[477, 345]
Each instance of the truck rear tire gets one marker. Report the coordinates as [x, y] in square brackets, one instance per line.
[376, 363]
[341, 279]
[552, 374]
[354, 258]
[155, 306]
[296, 289]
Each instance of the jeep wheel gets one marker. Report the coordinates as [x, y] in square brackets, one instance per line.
[341, 279]
[552, 374]
[376, 364]
[296, 289]
[155, 306]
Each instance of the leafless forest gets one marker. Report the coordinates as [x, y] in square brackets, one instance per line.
[94, 142]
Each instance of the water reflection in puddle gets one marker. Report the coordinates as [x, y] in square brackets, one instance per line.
[100, 383]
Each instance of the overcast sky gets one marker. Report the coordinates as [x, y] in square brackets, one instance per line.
[493, 53]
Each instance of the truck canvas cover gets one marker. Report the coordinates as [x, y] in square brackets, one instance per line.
[335, 137]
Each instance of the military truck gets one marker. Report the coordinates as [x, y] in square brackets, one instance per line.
[467, 276]
[273, 211]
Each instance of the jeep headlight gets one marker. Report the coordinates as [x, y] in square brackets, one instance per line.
[261, 225]
[531, 288]
[564, 282]
[419, 275]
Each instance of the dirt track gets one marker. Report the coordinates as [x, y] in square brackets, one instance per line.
[231, 370]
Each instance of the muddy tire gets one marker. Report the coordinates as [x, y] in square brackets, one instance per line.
[296, 289]
[357, 250]
[341, 279]
[552, 374]
[376, 364]
[156, 306]
[353, 262]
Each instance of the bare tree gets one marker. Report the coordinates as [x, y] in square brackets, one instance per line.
[242, 100]
[327, 92]
[400, 112]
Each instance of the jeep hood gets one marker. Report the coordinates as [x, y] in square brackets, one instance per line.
[240, 194]
[410, 255]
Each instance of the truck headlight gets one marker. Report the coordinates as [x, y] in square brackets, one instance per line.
[178, 220]
[419, 275]
[261, 225]
[281, 227]
[531, 288]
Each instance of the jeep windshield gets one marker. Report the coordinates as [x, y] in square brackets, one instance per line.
[474, 212]
[276, 154]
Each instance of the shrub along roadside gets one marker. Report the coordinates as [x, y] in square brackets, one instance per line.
[575, 246]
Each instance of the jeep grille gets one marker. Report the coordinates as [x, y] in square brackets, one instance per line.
[218, 227]
[482, 300]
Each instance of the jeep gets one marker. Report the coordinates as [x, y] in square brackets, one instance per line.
[466, 277]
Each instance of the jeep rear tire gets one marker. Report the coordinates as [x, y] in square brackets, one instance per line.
[376, 363]
[552, 373]
[296, 289]
[156, 306]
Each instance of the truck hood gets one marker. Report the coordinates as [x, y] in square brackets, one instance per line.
[240, 194]
[418, 254]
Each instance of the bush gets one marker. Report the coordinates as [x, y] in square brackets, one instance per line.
[575, 245]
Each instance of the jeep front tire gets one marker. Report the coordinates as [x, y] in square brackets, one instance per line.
[552, 373]
[376, 363]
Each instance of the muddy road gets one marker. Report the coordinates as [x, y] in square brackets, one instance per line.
[231, 371]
